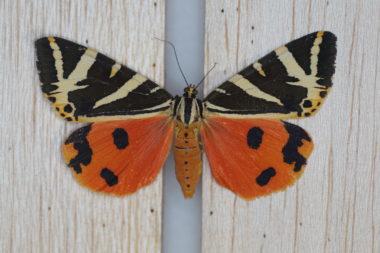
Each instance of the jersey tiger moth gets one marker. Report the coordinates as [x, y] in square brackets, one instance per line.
[133, 121]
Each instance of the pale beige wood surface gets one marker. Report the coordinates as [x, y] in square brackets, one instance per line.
[335, 206]
[42, 208]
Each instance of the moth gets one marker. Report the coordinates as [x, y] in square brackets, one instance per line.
[134, 122]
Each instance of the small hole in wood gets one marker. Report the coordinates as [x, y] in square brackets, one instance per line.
[222, 10]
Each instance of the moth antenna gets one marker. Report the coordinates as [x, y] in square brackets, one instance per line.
[205, 76]
[176, 57]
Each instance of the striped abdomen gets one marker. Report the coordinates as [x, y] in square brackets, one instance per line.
[187, 156]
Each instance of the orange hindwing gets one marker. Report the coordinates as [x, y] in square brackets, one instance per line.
[255, 157]
[119, 157]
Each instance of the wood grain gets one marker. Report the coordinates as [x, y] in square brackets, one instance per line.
[42, 209]
[335, 206]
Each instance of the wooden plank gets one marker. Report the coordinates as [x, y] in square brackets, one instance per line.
[42, 209]
[335, 205]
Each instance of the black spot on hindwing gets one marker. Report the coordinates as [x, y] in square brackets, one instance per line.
[255, 137]
[80, 142]
[290, 150]
[265, 176]
[120, 138]
[110, 178]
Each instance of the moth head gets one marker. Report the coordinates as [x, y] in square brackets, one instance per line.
[190, 91]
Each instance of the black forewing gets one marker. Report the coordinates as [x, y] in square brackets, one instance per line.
[74, 78]
[286, 83]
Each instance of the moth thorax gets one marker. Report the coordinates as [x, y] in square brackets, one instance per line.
[188, 110]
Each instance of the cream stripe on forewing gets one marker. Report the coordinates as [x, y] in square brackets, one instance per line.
[57, 54]
[220, 90]
[165, 104]
[123, 91]
[84, 64]
[228, 114]
[209, 105]
[115, 68]
[251, 116]
[155, 89]
[257, 65]
[295, 70]
[252, 90]
[314, 54]
[290, 63]
[100, 118]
